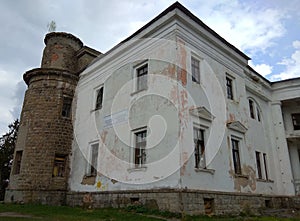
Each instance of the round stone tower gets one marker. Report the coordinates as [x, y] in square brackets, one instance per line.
[41, 161]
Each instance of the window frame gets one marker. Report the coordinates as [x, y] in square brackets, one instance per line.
[256, 113]
[236, 162]
[296, 121]
[92, 167]
[258, 164]
[138, 87]
[66, 108]
[230, 96]
[196, 68]
[18, 162]
[199, 148]
[266, 166]
[59, 163]
[98, 106]
[141, 161]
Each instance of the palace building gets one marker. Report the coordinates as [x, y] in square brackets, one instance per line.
[173, 117]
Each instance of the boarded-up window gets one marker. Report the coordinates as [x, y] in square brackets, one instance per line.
[59, 165]
[17, 164]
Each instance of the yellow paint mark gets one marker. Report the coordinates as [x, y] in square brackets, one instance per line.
[99, 184]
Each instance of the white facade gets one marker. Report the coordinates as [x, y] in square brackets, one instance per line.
[151, 86]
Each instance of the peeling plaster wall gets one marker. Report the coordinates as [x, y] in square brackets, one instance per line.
[116, 70]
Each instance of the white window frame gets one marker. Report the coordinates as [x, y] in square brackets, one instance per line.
[132, 152]
[194, 57]
[256, 108]
[135, 76]
[241, 142]
[96, 91]
[205, 130]
[233, 87]
[90, 158]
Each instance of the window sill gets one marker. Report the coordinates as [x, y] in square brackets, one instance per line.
[205, 170]
[241, 176]
[264, 181]
[136, 92]
[94, 110]
[232, 101]
[137, 169]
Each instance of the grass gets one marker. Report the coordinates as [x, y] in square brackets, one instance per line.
[132, 213]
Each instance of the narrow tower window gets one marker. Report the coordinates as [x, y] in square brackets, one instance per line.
[59, 165]
[17, 163]
[66, 108]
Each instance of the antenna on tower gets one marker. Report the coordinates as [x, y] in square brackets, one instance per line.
[51, 26]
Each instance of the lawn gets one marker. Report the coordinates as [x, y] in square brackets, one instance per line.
[9, 212]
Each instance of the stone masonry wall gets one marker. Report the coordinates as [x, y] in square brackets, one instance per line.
[191, 202]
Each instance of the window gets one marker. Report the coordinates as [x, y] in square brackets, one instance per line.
[254, 110]
[296, 121]
[66, 108]
[236, 156]
[266, 167]
[258, 164]
[229, 88]
[99, 99]
[199, 148]
[18, 159]
[59, 165]
[251, 108]
[141, 74]
[93, 164]
[195, 70]
[140, 148]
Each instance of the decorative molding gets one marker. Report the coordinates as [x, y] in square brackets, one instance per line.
[202, 113]
[237, 126]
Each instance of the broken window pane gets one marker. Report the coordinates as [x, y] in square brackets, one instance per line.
[199, 148]
[140, 148]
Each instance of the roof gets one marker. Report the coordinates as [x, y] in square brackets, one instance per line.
[179, 6]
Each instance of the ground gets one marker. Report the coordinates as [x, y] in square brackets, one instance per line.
[9, 212]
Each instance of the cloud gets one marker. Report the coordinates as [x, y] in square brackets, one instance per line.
[263, 69]
[246, 25]
[291, 65]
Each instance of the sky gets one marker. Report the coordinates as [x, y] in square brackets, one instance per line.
[265, 30]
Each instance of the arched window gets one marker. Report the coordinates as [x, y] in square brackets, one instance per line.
[99, 99]
[254, 110]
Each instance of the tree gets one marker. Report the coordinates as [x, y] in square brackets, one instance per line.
[7, 147]
[51, 26]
